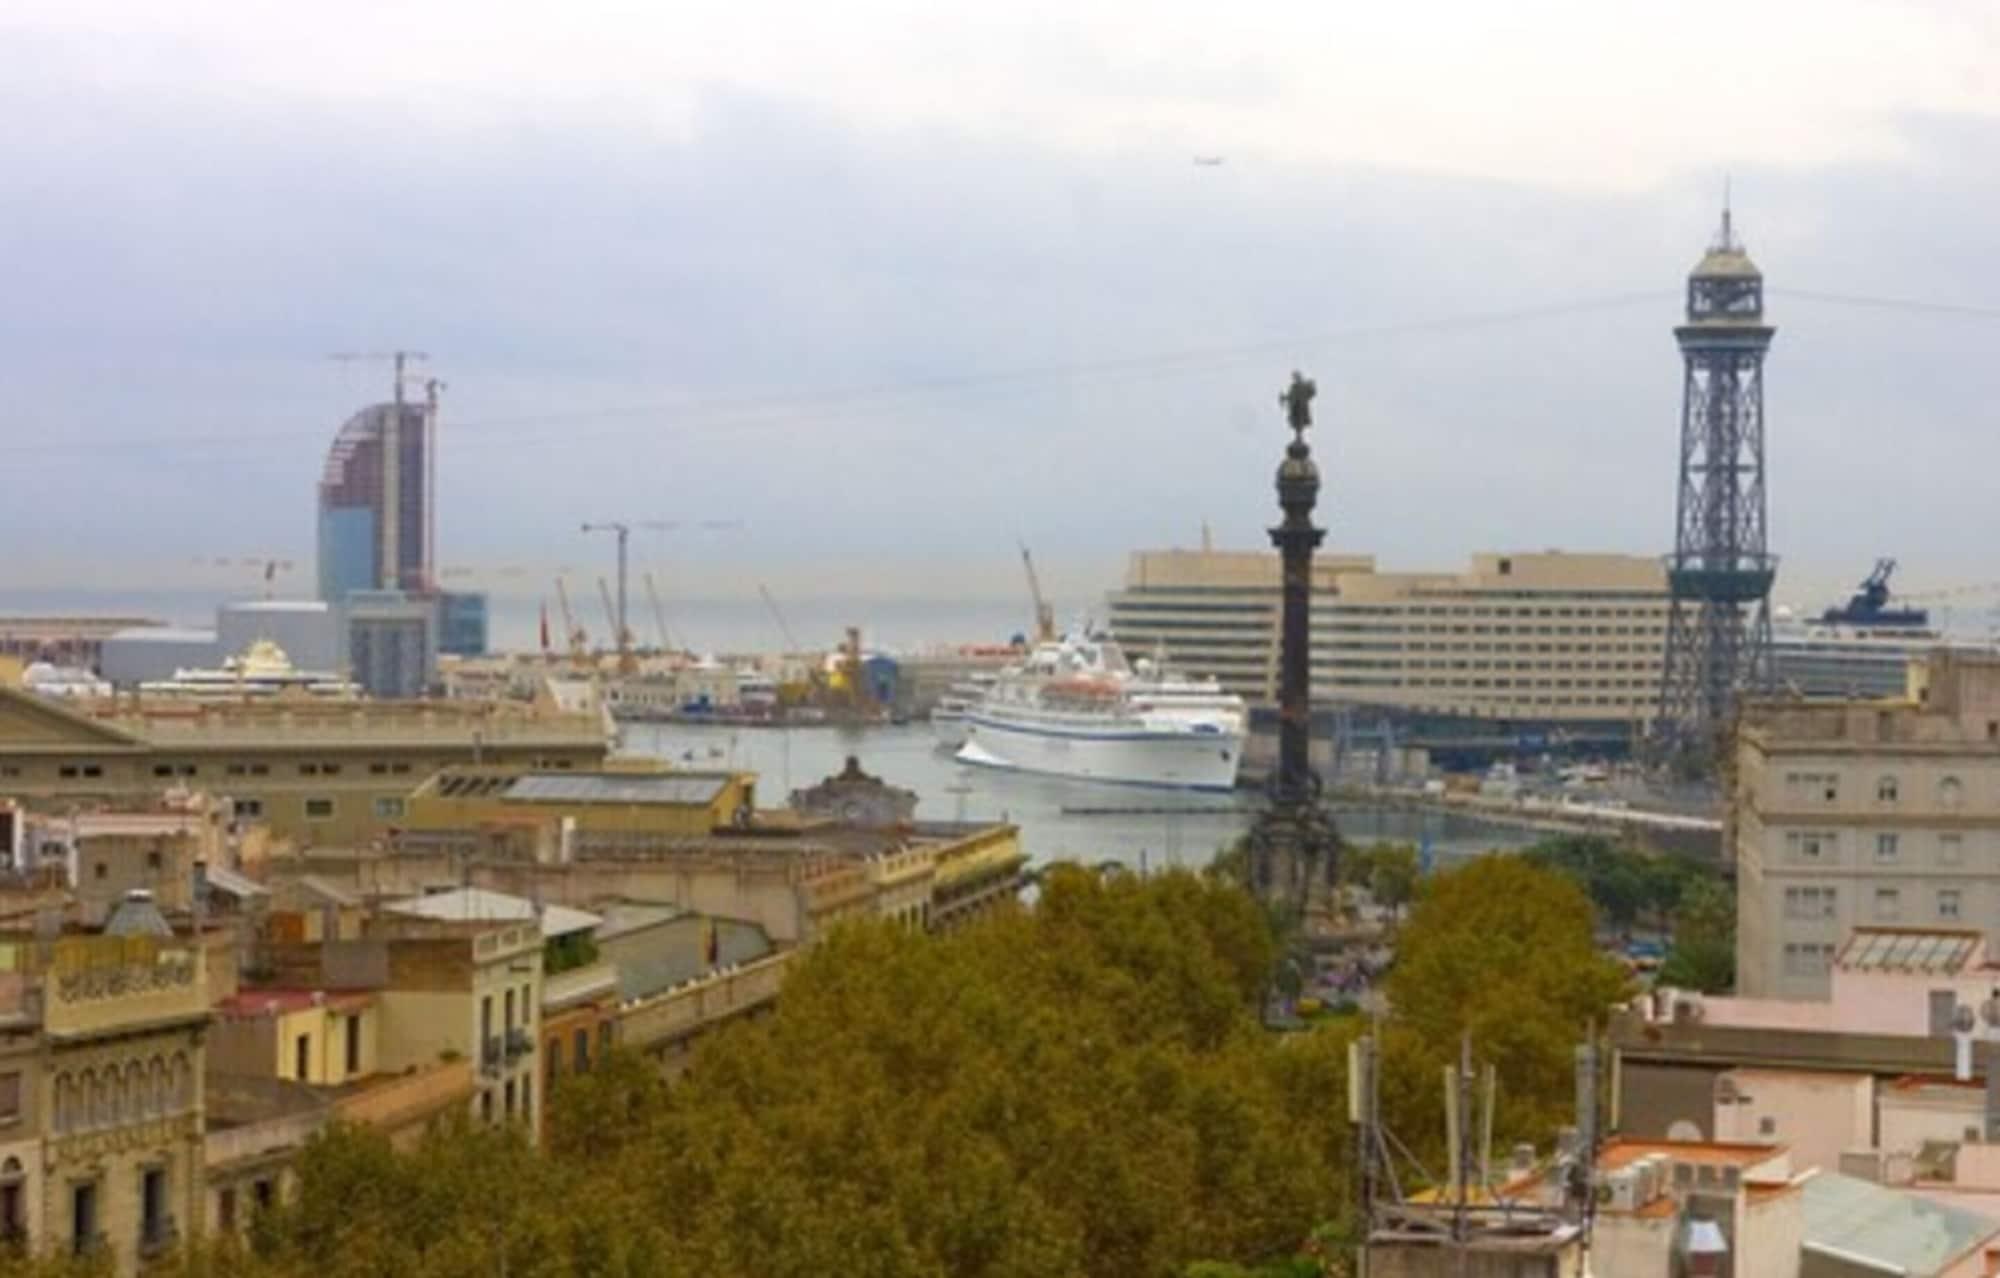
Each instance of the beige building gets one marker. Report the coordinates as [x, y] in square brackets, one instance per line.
[314, 772]
[1878, 813]
[113, 1097]
[1547, 636]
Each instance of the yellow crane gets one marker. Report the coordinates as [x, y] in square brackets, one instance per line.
[1045, 612]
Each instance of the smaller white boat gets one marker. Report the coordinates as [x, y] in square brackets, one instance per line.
[948, 716]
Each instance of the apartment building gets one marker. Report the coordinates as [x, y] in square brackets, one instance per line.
[101, 1056]
[1868, 813]
[1538, 637]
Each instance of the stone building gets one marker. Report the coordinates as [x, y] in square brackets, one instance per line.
[320, 773]
[1866, 813]
[113, 1097]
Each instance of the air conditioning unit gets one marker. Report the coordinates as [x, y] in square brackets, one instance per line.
[1619, 1190]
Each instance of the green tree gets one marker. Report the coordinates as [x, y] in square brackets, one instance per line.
[1503, 950]
[1703, 956]
[1388, 871]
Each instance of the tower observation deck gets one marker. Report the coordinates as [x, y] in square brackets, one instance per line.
[1720, 572]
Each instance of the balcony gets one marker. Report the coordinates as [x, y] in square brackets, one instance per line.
[106, 984]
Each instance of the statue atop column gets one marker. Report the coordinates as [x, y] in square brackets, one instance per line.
[1294, 847]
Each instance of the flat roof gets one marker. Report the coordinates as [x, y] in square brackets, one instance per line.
[1623, 1153]
[1900, 1231]
[675, 789]
[483, 905]
[250, 1003]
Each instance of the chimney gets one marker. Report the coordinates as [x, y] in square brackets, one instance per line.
[1963, 1029]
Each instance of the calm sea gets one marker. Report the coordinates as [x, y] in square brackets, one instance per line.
[703, 625]
[1133, 826]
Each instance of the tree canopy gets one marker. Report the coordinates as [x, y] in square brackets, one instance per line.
[1503, 950]
[1080, 1089]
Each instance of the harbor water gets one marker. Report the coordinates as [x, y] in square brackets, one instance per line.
[1059, 819]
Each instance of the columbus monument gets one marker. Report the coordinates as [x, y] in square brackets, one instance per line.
[1294, 846]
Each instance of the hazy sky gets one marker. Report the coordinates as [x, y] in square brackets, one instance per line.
[892, 284]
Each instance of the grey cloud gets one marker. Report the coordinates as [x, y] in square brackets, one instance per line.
[188, 267]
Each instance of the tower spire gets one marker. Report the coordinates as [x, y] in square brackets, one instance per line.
[1727, 241]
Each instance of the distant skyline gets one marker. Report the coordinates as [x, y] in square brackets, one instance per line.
[893, 286]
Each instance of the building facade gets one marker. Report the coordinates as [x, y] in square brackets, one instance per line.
[313, 772]
[1547, 637]
[119, 1095]
[353, 518]
[1868, 813]
[392, 642]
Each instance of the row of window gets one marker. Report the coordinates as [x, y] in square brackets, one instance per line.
[1808, 958]
[1948, 903]
[91, 771]
[1824, 788]
[1822, 847]
[111, 1096]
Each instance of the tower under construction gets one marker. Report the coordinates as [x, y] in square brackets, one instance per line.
[1720, 572]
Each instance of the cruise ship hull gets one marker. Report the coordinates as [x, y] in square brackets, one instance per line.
[1179, 760]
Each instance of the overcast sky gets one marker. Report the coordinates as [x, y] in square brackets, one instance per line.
[892, 284]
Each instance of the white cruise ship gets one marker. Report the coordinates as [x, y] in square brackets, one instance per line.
[1075, 708]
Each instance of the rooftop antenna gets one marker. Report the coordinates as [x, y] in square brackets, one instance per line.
[1728, 242]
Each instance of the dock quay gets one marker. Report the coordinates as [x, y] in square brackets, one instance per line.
[1157, 809]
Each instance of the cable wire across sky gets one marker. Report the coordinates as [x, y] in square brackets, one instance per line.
[776, 409]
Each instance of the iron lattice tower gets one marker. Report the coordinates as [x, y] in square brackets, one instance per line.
[1719, 575]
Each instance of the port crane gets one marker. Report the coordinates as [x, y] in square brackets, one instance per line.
[791, 644]
[1045, 613]
[611, 619]
[659, 614]
[572, 633]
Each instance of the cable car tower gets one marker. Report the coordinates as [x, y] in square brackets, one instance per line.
[1719, 575]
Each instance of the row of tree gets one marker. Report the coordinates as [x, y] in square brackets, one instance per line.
[1679, 895]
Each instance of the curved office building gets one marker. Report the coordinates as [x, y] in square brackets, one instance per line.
[352, 515]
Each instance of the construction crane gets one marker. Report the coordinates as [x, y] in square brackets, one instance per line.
[659, 614]
[627, 663]
[620, 626]
[1045, 613]
[573, 634]
[791, 644]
